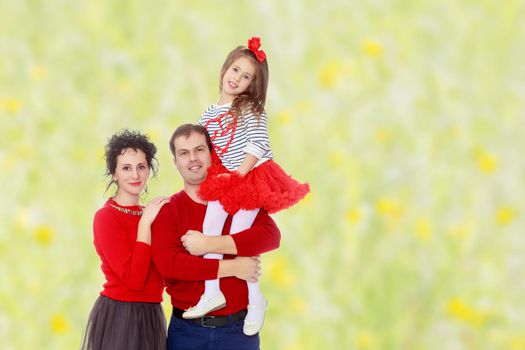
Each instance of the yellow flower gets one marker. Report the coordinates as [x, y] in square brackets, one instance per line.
[101, 153]
[279, 272]
[292, 347]
[298, 305]
[354, 215]
[382, 135]
[457, 309]
[59, 324]
[21, 219]
[124, 86]
[423, 229]
[505, 215]
[389, 207]
[153, 135]
[336, 159]
[167, 307]
[79, 153]
[23, 151]
[517, 343]
[349, 69]
[392, 211]
[309, 198]
[330, 74]
[454, 132]
[385, 205]
[284, 117]
[34, 288]
[37, 72]
[372, 48]
[304, 106]
[12, 105]
[487, 162]
[364, 340]
[9, 162]
[462, 231]
[44, 235]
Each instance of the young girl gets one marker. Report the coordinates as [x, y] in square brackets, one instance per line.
[127, 314]
[246, 179]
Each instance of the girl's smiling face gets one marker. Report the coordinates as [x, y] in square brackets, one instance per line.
[237, 78]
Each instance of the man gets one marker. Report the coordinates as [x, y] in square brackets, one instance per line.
[176, 233]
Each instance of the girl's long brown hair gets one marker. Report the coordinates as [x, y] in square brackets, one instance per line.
[254, 97]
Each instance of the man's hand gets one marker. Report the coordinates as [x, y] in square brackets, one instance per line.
[247, 268]
[195, 243]
[242, 267]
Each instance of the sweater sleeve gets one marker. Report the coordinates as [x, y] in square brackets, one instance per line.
[129, 262]
[169, 255]
[258, 141]
[263, 236]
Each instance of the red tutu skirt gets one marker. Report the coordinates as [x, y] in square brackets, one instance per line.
[266, 186]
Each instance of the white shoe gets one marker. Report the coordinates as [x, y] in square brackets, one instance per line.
[252, 327]
[205, 305]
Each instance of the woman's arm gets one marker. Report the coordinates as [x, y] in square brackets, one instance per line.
[129, 263]
[148, 215]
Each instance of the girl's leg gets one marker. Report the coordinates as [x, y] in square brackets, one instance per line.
[254, 320]
[212, 226]
[212, 299]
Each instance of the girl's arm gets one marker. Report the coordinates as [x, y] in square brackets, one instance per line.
[258, 141]
[247, 164]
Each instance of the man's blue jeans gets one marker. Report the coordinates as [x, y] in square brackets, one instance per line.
[186, 335]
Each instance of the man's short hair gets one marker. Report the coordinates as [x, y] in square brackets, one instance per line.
[186, 130]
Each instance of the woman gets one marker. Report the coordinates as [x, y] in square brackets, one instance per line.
[128, 313]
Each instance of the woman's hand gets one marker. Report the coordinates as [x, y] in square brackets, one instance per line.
[148, 215]
[152, 209]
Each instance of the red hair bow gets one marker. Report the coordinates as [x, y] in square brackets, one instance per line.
[254, 44]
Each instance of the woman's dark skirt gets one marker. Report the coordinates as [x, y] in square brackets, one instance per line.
[115, 325]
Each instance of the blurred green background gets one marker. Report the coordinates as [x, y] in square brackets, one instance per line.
[404, 117]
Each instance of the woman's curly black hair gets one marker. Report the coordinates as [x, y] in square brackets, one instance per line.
[123, 140]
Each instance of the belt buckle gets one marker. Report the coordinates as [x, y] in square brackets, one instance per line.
[203, 321]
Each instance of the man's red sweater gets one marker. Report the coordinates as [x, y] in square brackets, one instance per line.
[126, 263]
[184, 273]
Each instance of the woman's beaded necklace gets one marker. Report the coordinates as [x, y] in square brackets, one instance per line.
[128, 211]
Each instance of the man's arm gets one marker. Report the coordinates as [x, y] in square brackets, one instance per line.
[174, 262]
[170, 257]
[244, 268]
[263, 236]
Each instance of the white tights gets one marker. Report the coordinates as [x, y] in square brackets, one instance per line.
[212, 226]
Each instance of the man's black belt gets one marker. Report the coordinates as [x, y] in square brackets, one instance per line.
[212, 321]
